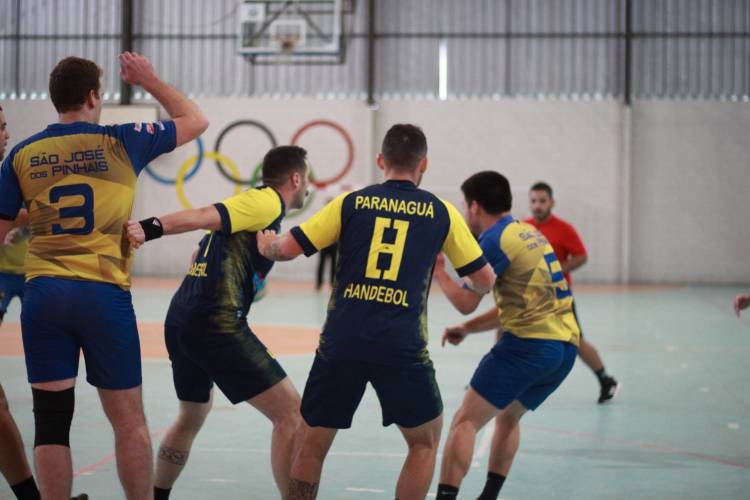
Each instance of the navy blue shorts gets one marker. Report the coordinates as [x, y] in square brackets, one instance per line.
[60, 317]
[11, 285]
[205, 348]
[409, 395]
[527, 370]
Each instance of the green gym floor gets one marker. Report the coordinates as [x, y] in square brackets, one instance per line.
[678, 429]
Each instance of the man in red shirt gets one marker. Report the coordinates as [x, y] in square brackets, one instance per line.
[571, 253]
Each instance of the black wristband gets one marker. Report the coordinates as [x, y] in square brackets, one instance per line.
[152, 227]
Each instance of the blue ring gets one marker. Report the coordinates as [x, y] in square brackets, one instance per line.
[193, 170]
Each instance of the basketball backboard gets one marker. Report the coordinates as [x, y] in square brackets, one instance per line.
[292, 31]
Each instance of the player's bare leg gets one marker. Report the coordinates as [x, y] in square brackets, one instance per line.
[474, 413]
[419, 467]
[590, 355]
[608, 385]
[308, 462]
[13, 464]
[124, 409]
[505, 439]
[281, 404]
[175, 447]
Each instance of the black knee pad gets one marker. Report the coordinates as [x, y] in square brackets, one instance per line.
[53, 413]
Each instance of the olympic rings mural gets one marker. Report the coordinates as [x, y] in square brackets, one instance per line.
[228, 168]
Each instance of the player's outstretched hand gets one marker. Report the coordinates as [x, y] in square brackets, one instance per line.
[136, 69]
[135, 233]
[14, 235]
[265, 240]
[741, 302]
[454, 335]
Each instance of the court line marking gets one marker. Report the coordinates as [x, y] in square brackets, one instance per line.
[364, 490]
[644, 446]
[89, 469]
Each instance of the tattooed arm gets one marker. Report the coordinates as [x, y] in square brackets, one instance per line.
[275, 247]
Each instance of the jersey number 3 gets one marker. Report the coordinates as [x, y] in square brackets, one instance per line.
[395, 249]
[84, 211]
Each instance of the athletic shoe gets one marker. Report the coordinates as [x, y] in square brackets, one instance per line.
[82, 496]
[609, 388]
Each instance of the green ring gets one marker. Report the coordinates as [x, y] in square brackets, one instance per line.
[308, 201]
[256, 174]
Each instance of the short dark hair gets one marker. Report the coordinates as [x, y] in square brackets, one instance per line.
[71, 81]
[490, 189]
[542, 186]
[282, 161]
[404, 146]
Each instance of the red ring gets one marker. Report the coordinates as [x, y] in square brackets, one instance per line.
[349, 144]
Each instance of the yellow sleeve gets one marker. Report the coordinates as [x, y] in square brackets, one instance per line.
[251, 210]
[322, 229]
[460, 245]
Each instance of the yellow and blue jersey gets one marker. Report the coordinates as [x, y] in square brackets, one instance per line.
[389, 235]
[531, 292]
[12, 256]
[228, 270]
[78, 181]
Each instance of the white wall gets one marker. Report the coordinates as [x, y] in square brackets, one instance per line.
[689, 176]
[691, 181]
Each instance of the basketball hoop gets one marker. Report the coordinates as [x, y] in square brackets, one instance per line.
[286, 43]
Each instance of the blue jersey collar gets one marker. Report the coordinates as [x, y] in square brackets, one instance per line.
[499, 225]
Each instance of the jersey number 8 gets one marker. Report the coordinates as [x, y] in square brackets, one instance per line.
[378, 246]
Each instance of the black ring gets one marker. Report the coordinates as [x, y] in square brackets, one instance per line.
[224, 132]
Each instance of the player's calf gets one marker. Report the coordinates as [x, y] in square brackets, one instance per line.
[175, 447]
[419, 467]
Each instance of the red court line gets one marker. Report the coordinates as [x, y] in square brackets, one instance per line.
[644, 446]
[110, 458]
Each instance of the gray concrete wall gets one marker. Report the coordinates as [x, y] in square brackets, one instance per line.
[690, 188]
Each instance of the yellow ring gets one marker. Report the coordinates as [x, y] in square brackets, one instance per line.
[211, 155]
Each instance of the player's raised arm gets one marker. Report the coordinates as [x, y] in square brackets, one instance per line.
[139, 232]
[252, 210]
[189, 120]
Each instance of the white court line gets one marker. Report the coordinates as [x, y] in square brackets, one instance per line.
[364, 490]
